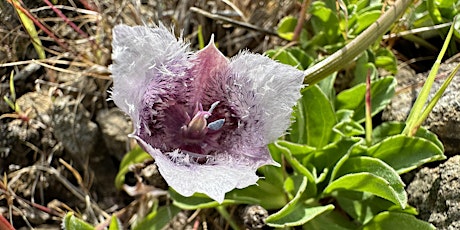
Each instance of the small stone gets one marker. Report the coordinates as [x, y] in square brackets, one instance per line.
[444, 119]
[115, 128]
[435, 192]
[74, 128]
[254, 216]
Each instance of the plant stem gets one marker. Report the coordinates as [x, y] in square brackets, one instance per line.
[343, 56]
[298, 27]
[368, 110]
[223, 212]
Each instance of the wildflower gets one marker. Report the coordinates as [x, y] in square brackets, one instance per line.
[205, 119]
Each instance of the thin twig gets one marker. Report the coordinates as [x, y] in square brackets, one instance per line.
[298, 27]
[234, 22]
[417, 30]
[70, 23]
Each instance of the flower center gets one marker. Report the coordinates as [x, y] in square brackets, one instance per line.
[194, 133]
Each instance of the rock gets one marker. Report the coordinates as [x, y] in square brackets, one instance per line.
[435, 192]
[444, 120]
[29, 126]
[74, 128]
[115, 128]
[37, 106]
[254, 216]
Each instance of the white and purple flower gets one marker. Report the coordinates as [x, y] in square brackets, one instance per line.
[205, 119]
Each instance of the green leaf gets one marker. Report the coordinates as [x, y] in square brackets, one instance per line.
[365, 19]
[396, 220]
[346, 127]
[296, 212]
[418, 112]
[405, 153]
[327, 86]
[136, 155]
[314, 119]
[286, 27]
[327, 157]
[378, 168]
[284, 57]
[158, 219]
[299, 215]
[433, 9]
[384, 58]
[298, 167]
[115, 223]
[353, 99]
[365, 182]
[296, 149]
[196, 201]
[325, 20]
[29, 26]
[71, 222]
[361, 70]
[334, 220]
[259, 193]
[292, 184]
[300, 55]
[392, 128]
[362, 207]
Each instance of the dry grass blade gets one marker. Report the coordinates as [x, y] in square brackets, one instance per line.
[28, 24]
[39, 24]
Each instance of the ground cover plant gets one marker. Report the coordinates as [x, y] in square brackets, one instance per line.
[330, 164]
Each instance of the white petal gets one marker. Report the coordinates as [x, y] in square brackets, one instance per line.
[272, 90]
[212, 180]
[137, 51]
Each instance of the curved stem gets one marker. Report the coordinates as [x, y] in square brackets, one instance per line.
[342, 57]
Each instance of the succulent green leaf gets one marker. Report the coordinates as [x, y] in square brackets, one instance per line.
[314, 119]
[392, 128]
[382, 91]
[362, 207]
[405, 153]
[296, 149]
[334, 220]
[378, 168]
[366, 19]
[298, 215]
[296, 212]
[366, 182]
[298, 167]
[396, 220]
[384, 58]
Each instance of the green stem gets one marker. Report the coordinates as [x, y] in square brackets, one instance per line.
[342, 57]
[368, 120]
[413, 121]
[223, 212]
[435, 100]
